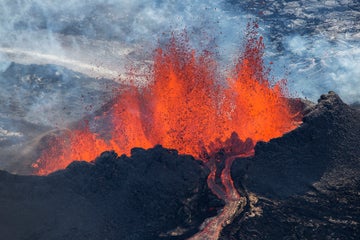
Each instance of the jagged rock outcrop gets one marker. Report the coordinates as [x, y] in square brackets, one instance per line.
[306, 184]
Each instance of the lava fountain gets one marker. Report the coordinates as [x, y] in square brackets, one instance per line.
[186, 107]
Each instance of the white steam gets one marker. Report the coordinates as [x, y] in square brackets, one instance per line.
[319, 64]
[99, 37]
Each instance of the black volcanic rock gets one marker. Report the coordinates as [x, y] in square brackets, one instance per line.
[306, 184]
[154, 194]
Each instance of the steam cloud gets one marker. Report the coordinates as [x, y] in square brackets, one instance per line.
[101, 33]
[317, 65]
[99, 37]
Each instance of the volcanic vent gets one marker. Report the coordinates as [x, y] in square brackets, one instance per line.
[188, 108]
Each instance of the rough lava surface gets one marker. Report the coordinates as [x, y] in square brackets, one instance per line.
[304, 185]
[153, 194]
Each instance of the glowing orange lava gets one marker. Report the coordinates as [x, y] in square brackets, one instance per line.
[185, 106]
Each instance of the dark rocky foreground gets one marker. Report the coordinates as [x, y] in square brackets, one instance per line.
[304, 185]
[152, 194]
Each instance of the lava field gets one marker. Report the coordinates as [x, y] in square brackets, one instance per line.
[303, 185]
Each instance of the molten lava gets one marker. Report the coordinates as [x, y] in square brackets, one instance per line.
[185, 106]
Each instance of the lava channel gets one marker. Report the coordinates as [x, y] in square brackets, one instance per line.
[224, 153]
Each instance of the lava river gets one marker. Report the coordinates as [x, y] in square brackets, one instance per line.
[188, 105]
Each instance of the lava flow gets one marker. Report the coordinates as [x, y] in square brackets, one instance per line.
[186, 107]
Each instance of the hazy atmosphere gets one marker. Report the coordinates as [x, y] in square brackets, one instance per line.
[314, 44]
